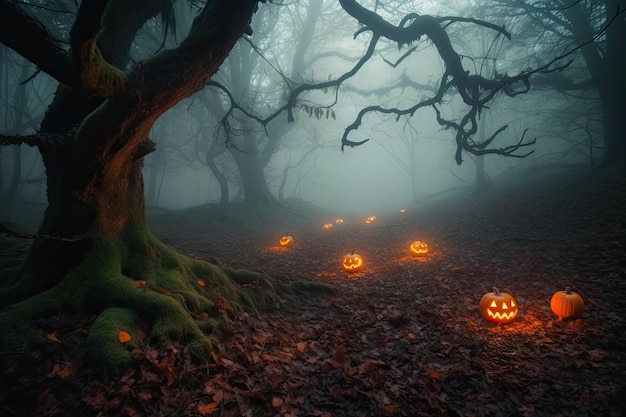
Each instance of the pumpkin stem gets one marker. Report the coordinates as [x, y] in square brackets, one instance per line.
[496, 291]
[568, 290]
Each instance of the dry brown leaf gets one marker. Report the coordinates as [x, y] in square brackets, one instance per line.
[140, 283]
[433, 374]
[201, 283]
[167, 370]
[277, 402]
[52, 337]
[61, 370]
[206, 409]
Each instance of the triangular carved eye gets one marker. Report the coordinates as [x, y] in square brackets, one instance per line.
[504, 306]
[512, 303]
[493, 304]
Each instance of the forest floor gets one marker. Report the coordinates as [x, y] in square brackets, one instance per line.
[404, 336]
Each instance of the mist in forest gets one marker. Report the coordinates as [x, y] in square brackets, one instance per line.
[218, 146]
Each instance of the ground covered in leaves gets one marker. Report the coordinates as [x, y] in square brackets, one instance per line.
[401, 338]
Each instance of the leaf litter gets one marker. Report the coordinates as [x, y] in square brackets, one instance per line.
[401, 338]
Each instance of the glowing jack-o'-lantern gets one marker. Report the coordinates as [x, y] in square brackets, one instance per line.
[285, 241]
[567, 304]
[498, 307]
[339, 221]
[352, 262]
[418, 248]
[402, 210]
[370, 219]
[328, 226]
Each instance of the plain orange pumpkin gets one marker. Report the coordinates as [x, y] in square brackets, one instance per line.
[567, 304]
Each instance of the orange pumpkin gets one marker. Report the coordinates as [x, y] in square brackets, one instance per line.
[352, 262]
[498, 307]
[567, 304]
[418, 248]
[286, 241]
[328, 226]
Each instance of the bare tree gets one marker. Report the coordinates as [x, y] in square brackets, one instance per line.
[94, 252]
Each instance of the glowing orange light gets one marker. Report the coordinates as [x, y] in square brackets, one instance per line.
[418, 248]
[285, 241]
[402, 210]
[370, 219]
[328, 226]
[339, 221]
[498, 307]
[352, 262]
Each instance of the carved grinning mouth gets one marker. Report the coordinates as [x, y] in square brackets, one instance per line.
[502, 316]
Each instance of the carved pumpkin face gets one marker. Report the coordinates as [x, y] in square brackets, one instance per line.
[286, 241]
[328, 226]
[567, 304]
[498, 307]
[418, 248]
[352, 262]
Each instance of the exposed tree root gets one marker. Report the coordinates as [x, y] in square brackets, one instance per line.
[142, 287]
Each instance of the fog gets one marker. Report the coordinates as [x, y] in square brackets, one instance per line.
[409, 159]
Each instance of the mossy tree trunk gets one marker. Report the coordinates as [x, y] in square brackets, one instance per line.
[95, 252]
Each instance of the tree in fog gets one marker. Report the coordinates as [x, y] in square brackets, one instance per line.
[596, 31]
[94, 252]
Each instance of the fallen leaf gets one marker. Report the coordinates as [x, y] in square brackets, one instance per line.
[52, 337]
[201, 283]
[140, 283]
[277, 402]
[433, 374]
[206, 409]
[61, 370]
[123, 336]
[167, 370]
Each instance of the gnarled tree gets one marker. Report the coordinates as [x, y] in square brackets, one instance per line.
[94, 252]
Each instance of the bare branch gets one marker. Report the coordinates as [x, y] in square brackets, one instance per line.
[39, 139]
[96, 74]
[20, 32]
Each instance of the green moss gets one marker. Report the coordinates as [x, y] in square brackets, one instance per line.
[172, 304]
[103, 344]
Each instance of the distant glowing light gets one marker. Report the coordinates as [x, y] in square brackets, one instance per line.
[418, 248]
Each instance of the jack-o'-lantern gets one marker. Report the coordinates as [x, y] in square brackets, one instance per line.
[418, 248]
[402, 210]
[567, 304]
[352, 262]
[286, 241]
[370, 219]
[339, 221]
[498, 307]
[328, 226]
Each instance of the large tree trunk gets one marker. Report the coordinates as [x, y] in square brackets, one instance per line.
[250, 166]
[607, 69]
[95, 252]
